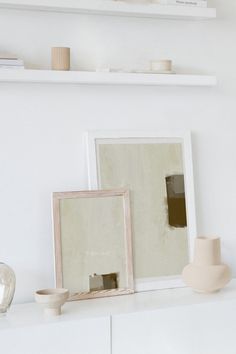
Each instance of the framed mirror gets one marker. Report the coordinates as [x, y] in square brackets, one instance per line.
[157, 169]
[93, 246]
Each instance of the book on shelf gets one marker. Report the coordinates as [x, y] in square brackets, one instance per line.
[7, 62]
[14, 62]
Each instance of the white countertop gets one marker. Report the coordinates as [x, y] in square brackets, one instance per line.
[31, 314]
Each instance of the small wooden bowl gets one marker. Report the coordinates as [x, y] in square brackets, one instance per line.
[52, 300]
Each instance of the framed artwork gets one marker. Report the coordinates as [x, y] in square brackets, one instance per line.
[93, 247]
[157, 169]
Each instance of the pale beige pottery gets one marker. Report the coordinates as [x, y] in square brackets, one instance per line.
[60, 58]
[52, 300]
[207, 274]
[161, 65]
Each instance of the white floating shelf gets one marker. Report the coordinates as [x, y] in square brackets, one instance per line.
[112, 8]
[100, 78]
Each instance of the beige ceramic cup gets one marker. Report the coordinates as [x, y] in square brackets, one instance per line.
[52, 300]
[60, 58]
[161, 65]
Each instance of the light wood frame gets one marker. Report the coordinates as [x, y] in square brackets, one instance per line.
[57, 196]
[144, 284]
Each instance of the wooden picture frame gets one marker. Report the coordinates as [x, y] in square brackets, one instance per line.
[87, 225]
[96, 172]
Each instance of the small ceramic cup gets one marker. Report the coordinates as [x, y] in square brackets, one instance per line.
[52, 300]
[60, 58]
[161, 65]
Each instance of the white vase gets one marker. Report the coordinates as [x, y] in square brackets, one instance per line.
[7, 287]
[207, 274]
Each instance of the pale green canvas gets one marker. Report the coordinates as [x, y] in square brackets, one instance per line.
[92, 240]
[159, 250]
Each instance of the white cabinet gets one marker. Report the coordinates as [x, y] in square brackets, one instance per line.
[175, 321]
[195, 329]
[89, 336]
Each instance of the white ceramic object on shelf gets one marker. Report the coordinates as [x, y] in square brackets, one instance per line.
[7, 287]
[161, 66]
[52, 300]
[207, 274]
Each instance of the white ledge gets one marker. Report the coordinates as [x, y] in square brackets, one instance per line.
[99, 78]
[31, 314]
[112, 8]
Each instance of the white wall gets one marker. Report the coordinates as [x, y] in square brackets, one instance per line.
[41, 126]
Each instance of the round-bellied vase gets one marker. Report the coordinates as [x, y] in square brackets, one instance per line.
[206, 274]
[7, 287]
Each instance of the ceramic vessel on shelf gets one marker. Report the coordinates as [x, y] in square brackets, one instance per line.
[60, 58]
[52, 300]
[7, 287]
[161, 66]
[207, 274]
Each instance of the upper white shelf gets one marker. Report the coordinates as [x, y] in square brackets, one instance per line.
[113, 8]
[100, 78]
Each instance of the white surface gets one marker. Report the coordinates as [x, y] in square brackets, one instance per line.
[199, 329]
[74, 337]
[167, 321]
[42, 147]
[185, 139]
[109, 7]
[31, 314]
[73, 77]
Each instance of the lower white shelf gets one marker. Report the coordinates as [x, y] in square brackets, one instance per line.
[171, 321]
[100, 78]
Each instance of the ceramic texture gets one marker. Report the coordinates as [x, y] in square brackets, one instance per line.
[52, 300]
[7, 287]
[60, 58]
[161, 65]
[207, 274]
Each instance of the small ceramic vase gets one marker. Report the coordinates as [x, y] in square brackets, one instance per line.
[7, 287]
[60, 58]
[207, 274]
[161, 65]
[52, 300]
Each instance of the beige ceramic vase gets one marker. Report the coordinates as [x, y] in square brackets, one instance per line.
[52, 300]
[206, 274]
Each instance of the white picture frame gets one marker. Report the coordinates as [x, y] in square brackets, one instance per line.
[92, 137]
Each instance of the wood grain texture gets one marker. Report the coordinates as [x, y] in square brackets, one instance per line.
[100, 293]
[57, 241]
